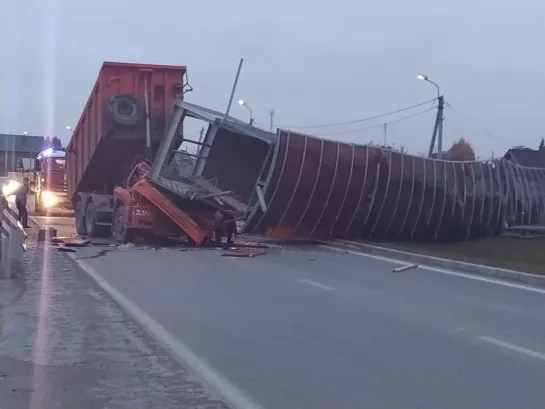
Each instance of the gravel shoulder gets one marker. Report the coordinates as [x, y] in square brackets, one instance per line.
[64, 343]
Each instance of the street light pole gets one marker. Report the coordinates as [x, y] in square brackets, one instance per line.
[439, 119]
[242, 102]
[271, 114]
[234, 89]
[438, 126]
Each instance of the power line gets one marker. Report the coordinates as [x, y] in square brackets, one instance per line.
[382, 124]
[358, 120]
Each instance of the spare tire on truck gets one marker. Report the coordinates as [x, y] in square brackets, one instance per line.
[125, 109]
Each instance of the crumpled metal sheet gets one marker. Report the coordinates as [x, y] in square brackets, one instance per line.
[321, 189]
[316, 188]
[422, 199]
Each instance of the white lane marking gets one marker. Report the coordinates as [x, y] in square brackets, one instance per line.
[316, 284]
[443, 271]
[233, 395]
[516, 348]
[485, 279]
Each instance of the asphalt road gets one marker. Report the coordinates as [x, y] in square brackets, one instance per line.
[65, 344]
[312, 328]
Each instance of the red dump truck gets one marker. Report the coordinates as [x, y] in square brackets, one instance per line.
[126, 173]
[122, 124]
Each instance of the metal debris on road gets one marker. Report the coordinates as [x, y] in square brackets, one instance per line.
[404, 268]
[126, 247]
[251, 244]
[65, 249]
[46, 233]
[77, 242]
[242, 252]
[70, 241]
[65, 244]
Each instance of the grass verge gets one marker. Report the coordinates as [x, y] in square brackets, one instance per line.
[511, 252]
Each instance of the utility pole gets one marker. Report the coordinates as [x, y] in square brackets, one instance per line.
[201, 136]
[438, 129]
[385, 133]
[440, 109]
[234, 88]
[271, 114]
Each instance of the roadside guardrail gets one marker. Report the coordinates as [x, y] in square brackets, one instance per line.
[12, 239]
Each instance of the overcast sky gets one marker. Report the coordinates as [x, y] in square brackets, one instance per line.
[314, 62]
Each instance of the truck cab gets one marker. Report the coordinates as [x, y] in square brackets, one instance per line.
[50, 189]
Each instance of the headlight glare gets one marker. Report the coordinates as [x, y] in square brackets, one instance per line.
[49, 199]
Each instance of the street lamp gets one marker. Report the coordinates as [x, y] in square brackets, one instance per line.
[438, 127]
[242, 102]
[69, 128]
[423, 77]
[25, 133]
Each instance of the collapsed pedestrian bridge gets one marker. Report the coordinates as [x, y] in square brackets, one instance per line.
[292, 185]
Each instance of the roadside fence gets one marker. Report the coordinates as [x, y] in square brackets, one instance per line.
[13, 238]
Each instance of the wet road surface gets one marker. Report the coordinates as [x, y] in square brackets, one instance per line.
[313, 328]
[295, 328]
[65, 344]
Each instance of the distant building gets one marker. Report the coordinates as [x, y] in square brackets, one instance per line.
[526, 156]
[17, 149]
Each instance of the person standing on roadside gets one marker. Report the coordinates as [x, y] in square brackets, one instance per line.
[20, 202]
[230, 230]
[218, 227]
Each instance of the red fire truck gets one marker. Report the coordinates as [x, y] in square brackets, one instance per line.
[50, 190]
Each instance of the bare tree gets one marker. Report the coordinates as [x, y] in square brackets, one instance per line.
[56, 143]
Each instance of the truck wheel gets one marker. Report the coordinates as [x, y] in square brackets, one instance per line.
[91, 226]
[119, 224]
[80, 220]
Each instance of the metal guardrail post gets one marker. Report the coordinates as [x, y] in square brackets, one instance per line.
[12, 239]
[3, 241]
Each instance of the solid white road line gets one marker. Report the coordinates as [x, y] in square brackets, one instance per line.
[316, 284]
[512, 347]
[234, 396]
[442, 270]
[485, 279]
